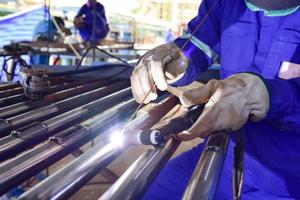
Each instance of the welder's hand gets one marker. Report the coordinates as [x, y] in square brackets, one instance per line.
[79, 22]
[159, 66]
[229, 104]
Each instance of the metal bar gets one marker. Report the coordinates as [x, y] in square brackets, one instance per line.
[13, 91]
[36, 132]
[16, 171]
[9, 85]
[79, 172]
[63, 91]
[21, 97]
[106, 173]
[204, 181]
[133, 183]
[46, 112]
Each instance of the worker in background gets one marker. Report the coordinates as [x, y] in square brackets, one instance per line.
[46, 31]
[84, 21]
[257, 43]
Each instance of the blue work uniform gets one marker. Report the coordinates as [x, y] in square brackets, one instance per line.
[101, 26]
[242, 39]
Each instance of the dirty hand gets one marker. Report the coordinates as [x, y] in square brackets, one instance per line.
[229, 104]
[159, 66]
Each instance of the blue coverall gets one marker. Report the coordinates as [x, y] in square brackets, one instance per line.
[101, 26]
[244, 40]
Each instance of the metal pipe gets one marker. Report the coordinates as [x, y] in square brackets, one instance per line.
[7, 125]
[9, 85]
[204, 181]
[80, 171]
[36, 132]
[137, 179]
[21, 97]
[139, 176]
[18, 170]
[65, 91]
[13, 91]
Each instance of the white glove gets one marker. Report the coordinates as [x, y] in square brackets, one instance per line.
[229, 104]
[159, 66]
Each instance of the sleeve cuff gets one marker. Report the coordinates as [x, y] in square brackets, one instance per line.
[280, 95]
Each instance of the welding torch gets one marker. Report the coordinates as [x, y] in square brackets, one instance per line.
[159, 136]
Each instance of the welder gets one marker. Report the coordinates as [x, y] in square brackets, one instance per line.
[91, 22]
[257, 44]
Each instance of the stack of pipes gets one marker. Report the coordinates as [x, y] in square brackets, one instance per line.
[35, 134]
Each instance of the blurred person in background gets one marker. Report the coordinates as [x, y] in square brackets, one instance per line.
[84, 22]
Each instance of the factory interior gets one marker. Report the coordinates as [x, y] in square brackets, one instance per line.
[149, 99]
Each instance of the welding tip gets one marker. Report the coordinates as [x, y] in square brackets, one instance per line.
[146, 137]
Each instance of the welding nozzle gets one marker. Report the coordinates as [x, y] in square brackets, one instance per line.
[147, 137]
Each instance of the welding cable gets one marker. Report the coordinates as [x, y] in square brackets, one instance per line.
[94, 68]
[238, 169]
[103, 51]
[18, 60]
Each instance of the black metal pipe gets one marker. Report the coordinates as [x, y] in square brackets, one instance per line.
[18, 170]
[46, 112]
[80, 171]
[13, 91]
[9, 85]
[36, 132]
[204, 181]
[64, 91]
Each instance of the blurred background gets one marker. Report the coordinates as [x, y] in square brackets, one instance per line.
[147, 23]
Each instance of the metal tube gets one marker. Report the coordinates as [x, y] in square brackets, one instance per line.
[38, 131]
[16, 171]
[139, 176]
[13, 91]
[9, 85]
[204, 181]
[6, 126]
[63, 91]
[80, 171]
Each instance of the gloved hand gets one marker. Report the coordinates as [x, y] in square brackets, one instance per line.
[160, 66]
[229, 104]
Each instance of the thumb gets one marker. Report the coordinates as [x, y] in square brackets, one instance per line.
[199, 95]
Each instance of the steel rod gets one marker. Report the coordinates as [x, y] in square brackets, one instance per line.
[42, 113]
[204, 181]
[36, 132]
[62, 92]
[18, 170]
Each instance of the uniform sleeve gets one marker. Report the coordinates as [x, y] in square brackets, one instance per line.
[203, 48]
[80, 12]
[284, 102]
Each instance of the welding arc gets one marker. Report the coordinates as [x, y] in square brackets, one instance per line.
[80, 171]
[18, 170]
[36, 132]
